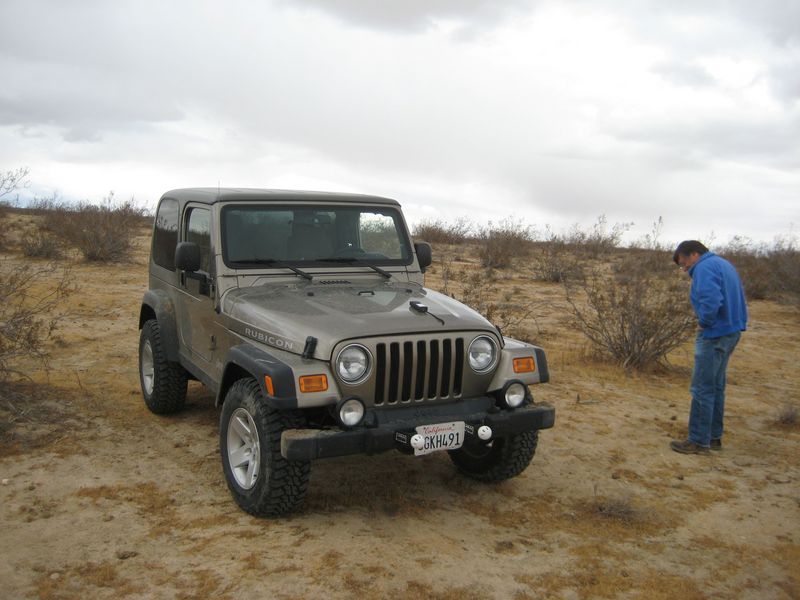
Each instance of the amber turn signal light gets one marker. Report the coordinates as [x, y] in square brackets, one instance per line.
[525, 364]
[268, 385]
[313, 383]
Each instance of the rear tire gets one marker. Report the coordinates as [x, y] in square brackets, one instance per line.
[163, 382]
[499, 459]
[262, 482]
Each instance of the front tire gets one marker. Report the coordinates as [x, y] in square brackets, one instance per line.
[163, 382]
[262, 482]
[500, 459]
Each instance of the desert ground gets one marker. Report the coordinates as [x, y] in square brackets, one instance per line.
[102, 499]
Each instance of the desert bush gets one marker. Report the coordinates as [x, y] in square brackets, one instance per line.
[28, 295]
[41, 243]
[553, 261]
[599, 239]
[768, 272]
[499, 243]
[9, 182]
[635, 312]
[101, 232]
[475, 289]
[13, 180]
[440, 232]
[3, 226]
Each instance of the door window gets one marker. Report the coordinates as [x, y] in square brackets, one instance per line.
[165, 234]
[198, 230]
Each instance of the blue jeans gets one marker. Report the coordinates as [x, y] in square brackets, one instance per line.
[708, 386]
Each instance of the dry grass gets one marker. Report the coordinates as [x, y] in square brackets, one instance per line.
[605, 510]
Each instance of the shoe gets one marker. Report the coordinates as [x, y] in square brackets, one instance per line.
[716, 445]
[687, 447]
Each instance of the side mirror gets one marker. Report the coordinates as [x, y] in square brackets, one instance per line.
[424, 255]
[187, 257]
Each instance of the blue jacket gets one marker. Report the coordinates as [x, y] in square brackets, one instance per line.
[717, 296]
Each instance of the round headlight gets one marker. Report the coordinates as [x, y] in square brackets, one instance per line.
[351, 411]
[482, 354]
[515, 395]
[352, 363]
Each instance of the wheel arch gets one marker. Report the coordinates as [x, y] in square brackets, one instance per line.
[246, 360]
[157, 305]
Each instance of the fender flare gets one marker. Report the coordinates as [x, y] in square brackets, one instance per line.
[247, 359]
[158, 303]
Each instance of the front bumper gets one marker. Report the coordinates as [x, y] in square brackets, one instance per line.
[390, 430]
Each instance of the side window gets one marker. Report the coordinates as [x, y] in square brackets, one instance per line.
[198, 230]
[165, 234]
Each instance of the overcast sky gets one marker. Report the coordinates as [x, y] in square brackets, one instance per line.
[555, 112]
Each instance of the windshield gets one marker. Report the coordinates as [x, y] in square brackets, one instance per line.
[254, 236]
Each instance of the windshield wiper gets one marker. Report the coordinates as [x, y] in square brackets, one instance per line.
[358, 261]
[272, 261]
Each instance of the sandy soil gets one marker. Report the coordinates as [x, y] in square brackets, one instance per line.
[101, 499]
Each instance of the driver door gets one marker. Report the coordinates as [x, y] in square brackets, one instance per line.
[195, 304]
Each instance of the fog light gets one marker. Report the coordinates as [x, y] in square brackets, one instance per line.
[515, 395]
[351, 412]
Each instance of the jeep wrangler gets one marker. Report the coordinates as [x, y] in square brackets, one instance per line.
[305, 313]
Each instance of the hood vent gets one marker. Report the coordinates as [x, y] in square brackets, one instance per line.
[333, 282]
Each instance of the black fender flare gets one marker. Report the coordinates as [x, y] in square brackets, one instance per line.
[158, 303]
[246, 359]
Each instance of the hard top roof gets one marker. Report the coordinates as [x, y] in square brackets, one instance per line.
[214, 195]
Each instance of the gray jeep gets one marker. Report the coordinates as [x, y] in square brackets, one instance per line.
[305, 313]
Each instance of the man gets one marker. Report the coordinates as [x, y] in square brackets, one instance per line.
[718, 301]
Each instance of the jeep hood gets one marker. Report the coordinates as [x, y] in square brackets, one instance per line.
[284, 315]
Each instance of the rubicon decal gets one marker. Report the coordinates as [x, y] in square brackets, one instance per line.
[268, 338]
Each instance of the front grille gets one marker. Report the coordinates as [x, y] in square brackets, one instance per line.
[421, 370]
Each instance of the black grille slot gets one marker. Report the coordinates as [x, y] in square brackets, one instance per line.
[459, 367]
[422, 363]
[394, 371]
[418, 371]
[380, 373]
[447, 356]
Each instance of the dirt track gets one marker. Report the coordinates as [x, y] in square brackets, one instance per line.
[101, 499]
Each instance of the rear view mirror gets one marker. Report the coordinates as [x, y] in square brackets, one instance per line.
[424, 255]
[187, 257]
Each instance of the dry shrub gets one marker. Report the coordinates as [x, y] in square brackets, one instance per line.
[103, 232]
[26, 319]
[13, 180]
[636, 312]
[599, 239]
[41, 243]
[768, 272]
[440, 232]
[500, 243]
[9, 182]
[474, 288]
[553, 261]
[3, 226]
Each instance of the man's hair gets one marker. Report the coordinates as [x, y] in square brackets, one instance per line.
[688, 247]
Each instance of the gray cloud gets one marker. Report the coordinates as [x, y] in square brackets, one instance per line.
[563, 110]
[684, 74]
[417, 15]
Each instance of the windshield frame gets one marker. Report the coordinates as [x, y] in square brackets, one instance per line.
[406, 247]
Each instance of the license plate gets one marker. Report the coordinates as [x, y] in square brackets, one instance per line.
[440, 436]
